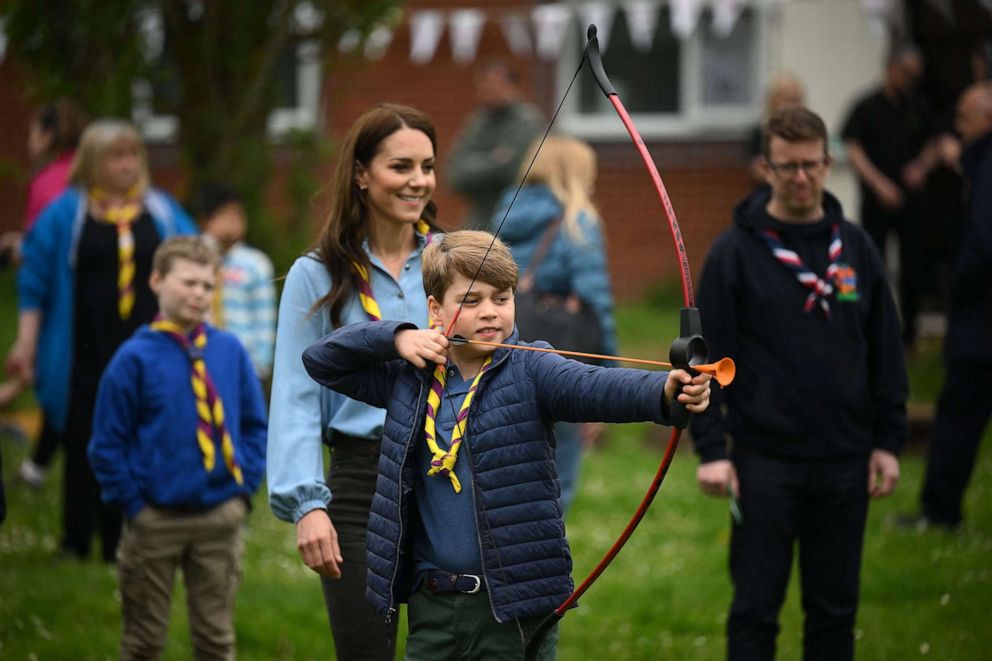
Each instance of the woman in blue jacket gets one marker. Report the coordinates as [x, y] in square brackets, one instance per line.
[83, 290]
[558, 187]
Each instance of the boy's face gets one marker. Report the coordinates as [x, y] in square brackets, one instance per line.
[227, 225]
[487, 315]
[184, 292]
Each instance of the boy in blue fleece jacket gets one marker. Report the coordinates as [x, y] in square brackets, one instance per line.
[179, 445]
[465, 523]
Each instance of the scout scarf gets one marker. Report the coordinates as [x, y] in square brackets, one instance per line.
[365, 294]
[209, 407]
[820, 289]
[443, 462]
[123, 216]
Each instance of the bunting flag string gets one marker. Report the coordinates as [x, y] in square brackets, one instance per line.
[541, 30]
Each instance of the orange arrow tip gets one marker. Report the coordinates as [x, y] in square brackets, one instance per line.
[723, 370]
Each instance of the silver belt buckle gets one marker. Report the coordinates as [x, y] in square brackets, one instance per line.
[478, 583]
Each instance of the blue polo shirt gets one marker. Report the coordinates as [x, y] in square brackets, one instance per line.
[446, 535]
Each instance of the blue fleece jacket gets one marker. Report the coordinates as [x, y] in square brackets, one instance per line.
[144, 447]
[509, 447]
[572, 265]
[46, 283]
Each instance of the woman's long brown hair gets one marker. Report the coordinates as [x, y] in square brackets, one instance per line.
[340, 242]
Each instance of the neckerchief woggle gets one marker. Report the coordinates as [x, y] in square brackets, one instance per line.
[443, 461]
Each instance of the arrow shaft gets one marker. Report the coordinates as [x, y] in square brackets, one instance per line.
[577, 354]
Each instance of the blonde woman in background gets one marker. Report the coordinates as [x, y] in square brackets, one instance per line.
[83, 290]
[559, 187]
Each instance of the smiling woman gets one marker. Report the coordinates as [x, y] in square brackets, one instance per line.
[399, 180]
[365, 266]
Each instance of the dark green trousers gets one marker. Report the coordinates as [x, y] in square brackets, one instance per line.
[461, 627]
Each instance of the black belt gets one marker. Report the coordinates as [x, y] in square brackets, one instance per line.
[440, 582]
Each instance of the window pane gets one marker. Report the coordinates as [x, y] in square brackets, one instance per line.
[648, 82]
[726, 63]
[287, 87]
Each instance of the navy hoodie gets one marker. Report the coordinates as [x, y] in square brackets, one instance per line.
[807, 387]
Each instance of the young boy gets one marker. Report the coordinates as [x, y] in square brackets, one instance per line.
[179, 445]
[465, 523]
[244, 301]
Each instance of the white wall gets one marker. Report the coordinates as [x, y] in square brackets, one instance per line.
[830, 45]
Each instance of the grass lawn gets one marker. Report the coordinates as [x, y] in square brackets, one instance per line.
[924, 594]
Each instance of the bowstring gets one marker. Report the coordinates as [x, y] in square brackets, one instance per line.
[516, 192]
[506, 213]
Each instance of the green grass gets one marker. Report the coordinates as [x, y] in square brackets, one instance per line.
[665, 597]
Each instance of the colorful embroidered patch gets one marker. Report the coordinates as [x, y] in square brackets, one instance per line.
[846, 282]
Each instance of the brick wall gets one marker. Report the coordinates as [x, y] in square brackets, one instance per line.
[704, 179]
[15, 115]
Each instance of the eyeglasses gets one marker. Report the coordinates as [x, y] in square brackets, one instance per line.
[792, 168]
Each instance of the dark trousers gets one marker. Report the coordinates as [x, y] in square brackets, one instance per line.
[461, 626]
[907, 225]
[82, 510]
[962, 414]
[823, 506]
[48, 444]
[360, 633]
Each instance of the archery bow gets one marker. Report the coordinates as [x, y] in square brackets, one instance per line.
[687, 351]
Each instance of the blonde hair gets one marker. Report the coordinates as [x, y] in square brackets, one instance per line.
[189, 247]
[464, 252]
[568, 168]
[98, 139]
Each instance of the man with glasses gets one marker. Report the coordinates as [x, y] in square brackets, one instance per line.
[813, 424]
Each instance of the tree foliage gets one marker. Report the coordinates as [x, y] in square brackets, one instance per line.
[218, 63]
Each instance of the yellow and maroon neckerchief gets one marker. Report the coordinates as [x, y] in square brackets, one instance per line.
[443, 461]
[122, 215]
[209, 407]
[365, 294]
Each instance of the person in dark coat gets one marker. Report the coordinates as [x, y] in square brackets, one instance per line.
[889, 140]
[965, 403]
[797, 296]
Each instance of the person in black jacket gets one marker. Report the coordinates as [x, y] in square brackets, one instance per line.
[814, 422]
[966, 400]
[889, 138]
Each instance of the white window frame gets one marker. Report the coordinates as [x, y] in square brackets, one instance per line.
[695, 121]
